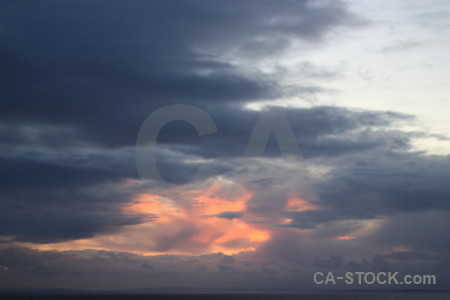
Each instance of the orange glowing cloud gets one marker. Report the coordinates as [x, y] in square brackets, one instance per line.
[345, 237]
[297, 204]
[190, 225]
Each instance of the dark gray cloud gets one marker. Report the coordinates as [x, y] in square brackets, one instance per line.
[230, 215]
[423, 232]
[100, 270]
[320, 131]
[385, 182]
[376, 184]
[311, 218]
[38, 178]
[49, 194]
[69, 63]
[58, 214]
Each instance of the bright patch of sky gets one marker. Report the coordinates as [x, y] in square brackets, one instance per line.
[398, 61]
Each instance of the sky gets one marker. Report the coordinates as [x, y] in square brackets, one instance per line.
[222, 145]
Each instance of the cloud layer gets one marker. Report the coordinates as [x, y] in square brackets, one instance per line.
[78, 79]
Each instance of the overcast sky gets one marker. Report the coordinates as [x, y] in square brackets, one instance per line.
[359, 88]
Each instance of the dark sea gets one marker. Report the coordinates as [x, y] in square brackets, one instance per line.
[238, 296]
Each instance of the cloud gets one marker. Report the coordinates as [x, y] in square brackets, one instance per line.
[230, 215]
[125, 65]
[66, 213]
[382, 183]
[78, 80]
[400, 46]
[101, 270]
[419, 233]
[73, 178]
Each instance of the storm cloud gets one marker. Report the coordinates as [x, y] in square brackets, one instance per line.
[79, 78]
